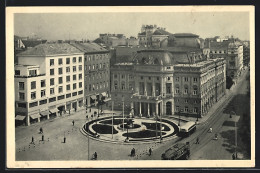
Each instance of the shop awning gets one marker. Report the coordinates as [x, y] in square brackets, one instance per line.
[54, 110]
[44, 113]
[93, 97]
[20, 117]
[104, 94]
[34, 116]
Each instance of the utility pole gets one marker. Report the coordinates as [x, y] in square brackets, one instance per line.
[123, 115]
[112, 118]
[160, 128]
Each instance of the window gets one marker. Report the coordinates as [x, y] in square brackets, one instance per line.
[115, 76]
[33, 85]
[186, 101]
[67, 60]
[96, 66]
[177, 108]
[60, 89]
[74, 60]
[168, 88]
[74, 68]
[68, 87]
[80, 59]
[168, 68]
[195, 110]
[67, 69]
[169, 78]
[60, 80]
[115, 85]
[68, 95]
[51, 62]
[21, 105]
[80, 76]
[123, 85]
[33, 104]
[177, 90]
[195, 91]
[157, 78]
[74, 77]
[53, 99]
[43, 93]
[21, 85]
[61, 97]
[60, 70]
[74, 93]
[89, 87]
[80, 67]
[60, 61]
[123, 76]
[177, 100]
[43, 83]
[42, 102]
[80, 84]
[67, 78]
[17, 72]
[177, 79]
[80, 92]
[74, 86]
[195, 79]
[186, 109]
[52, 81]
[51, 90]
[21, 96]
[33, 95]
[142, 77]
[195, 101]
[51, 71]
[185, 90]
[186, 79]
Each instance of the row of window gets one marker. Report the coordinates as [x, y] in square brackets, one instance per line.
[97, 76]
[220, 51]
[53, 99]
[93, 87]
[97, 66]
[186, 79]
[60, 61]
[96, 57]
[186, 109]
[186, 101]
[123, 76]
[60, 70]
[52, 91]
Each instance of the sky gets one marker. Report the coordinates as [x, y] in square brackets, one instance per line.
[80, 26]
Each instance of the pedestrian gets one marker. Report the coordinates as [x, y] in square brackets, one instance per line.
[150, 151]
[198, 140]
[42, 137]
[210, 130]
[73, 122]
[95, 155]
[132, 152]
[216, 136]
[32, 140]
[41, 131]
[64, 140]
[89, 109]
[233, 156]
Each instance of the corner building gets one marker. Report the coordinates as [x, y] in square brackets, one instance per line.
[48, 82]
[157, 83]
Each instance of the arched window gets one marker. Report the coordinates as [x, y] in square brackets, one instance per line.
[156, 61]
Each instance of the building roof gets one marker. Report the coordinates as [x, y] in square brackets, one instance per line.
[154, 57]
[33, 43]
[51, 50]
[185, 35]
[219, 45]
[161, 32]
[89, 47]
[183, 49]
[99, 40]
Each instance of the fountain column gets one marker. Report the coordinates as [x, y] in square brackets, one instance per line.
[140, 109]
[148, 109]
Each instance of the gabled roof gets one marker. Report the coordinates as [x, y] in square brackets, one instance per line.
[89, 47]
[51, 50]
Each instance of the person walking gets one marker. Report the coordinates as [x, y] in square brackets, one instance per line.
[42, 137]
[150, 151]
[197, 140]
[32, 140]
[95, 155]
[64, 139]
[41, 130]
[233, 156]
[73, 122]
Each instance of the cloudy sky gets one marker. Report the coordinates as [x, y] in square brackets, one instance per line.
[53, 26]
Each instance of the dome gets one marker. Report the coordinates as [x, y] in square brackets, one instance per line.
[154, 57]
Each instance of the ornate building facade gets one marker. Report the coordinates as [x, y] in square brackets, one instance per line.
[156, 82]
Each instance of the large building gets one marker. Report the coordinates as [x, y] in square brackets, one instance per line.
[96, 72]
[153, 36]
[157, 82]
[232, 51]
[48, 82]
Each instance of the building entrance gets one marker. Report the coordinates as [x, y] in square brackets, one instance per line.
[168, 108]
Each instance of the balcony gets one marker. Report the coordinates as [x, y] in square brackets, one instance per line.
[29, 76]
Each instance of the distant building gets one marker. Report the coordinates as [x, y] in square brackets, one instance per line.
[113, 40]
[185, 40]
[153, 36]
[246, 53]
[48, 82]
[97, 72]
[157, 82]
